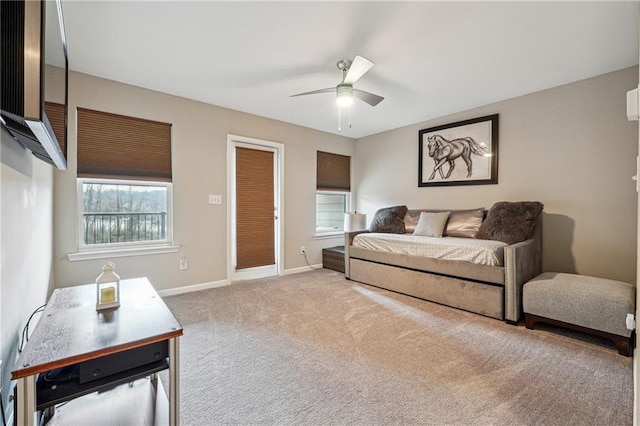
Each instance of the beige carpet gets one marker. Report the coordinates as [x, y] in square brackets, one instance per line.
[314, 348]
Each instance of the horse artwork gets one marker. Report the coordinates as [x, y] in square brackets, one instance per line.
[460, 153]
[444, 151]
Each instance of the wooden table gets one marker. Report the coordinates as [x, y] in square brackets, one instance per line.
[72, 333]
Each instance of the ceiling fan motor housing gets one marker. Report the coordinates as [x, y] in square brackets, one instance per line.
[344, 65]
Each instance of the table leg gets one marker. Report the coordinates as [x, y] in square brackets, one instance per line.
[26, 401]
[174, 381]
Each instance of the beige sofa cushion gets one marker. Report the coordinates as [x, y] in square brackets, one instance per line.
[461, 223]
[464, 223]
[431, 224]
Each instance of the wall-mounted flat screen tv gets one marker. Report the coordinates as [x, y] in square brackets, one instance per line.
[27, 45]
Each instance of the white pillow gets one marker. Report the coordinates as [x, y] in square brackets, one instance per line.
[431, 224]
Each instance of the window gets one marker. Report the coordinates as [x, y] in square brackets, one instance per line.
[330, 210]
[117, 212]
[333, 192]
[124, 182]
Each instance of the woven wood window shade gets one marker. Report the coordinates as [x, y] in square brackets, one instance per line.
[119, 147]
[333, 172]
[55, 114]
[255, 235]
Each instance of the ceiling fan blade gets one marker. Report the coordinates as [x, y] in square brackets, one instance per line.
[358, 67]
[369, 98]
[327, 90]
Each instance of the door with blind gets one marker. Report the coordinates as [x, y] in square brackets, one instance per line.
[255, 207]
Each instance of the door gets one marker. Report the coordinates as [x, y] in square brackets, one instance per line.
[255, 199]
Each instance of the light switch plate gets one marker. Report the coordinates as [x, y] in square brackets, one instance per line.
[215, 199]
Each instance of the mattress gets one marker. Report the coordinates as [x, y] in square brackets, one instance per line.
[481, 252]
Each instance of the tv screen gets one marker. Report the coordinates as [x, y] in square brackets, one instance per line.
[56, 72]
[23, 28]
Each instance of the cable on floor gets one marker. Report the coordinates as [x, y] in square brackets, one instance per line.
[307, 260]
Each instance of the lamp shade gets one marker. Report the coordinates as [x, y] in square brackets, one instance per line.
[355, 222]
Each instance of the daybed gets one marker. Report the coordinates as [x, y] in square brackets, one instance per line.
[487, 282]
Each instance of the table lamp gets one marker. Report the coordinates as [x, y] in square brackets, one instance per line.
[107, 288]
[355, 222]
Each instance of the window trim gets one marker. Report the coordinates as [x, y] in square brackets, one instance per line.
[332, 233]
[133, 248]
[121, 252]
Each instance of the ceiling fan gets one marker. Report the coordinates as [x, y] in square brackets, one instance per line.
[351, 72]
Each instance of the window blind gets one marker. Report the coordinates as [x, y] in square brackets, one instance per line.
[255, 236]
[119, 147]
[333, 172]
[55, 114]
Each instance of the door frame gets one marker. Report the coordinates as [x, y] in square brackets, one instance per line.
[233, 142]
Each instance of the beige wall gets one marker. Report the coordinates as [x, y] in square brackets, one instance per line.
[636, 401]
[26, 245]
[570, 147]
[199, 141]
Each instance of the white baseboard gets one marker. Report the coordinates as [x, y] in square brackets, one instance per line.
[194, 287]
[301, 269]
[213, 284]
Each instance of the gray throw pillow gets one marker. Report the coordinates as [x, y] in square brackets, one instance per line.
[389, 220]
[510, 222]
[431, 224]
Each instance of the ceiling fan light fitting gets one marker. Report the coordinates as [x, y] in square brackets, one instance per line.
[344, 101]
[345, 95]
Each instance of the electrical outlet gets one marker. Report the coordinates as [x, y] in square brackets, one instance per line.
[302, 250]
[184, 262]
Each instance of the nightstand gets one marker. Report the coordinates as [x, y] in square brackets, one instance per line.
[333, 258]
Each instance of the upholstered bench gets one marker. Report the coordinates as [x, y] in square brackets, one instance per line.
[587, 304]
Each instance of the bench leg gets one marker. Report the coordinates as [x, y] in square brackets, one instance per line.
[530, 320]
[624, 345]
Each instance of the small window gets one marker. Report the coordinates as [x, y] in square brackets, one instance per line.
[124, 181]
[330, 210]
[124, 213]
[333, 192]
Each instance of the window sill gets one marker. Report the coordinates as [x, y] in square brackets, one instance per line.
[121, 252]
[327, 235]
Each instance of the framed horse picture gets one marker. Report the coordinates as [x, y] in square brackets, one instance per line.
[461, 153]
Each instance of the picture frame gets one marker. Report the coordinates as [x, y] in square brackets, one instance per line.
[460, 153]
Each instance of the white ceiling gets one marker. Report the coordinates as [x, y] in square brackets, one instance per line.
[431, 58]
